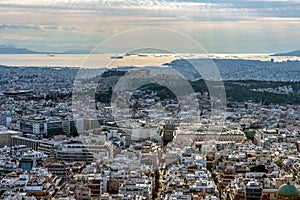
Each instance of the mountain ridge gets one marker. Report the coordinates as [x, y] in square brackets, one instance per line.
[9, 49]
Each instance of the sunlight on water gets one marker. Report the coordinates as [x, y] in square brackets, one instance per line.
[100, 60]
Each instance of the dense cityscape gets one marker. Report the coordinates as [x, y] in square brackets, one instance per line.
[149, 100]
[162, 148]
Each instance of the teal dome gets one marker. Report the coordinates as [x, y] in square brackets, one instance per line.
[288, 190]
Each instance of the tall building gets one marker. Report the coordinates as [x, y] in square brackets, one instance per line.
[69, 128]
[59, 169]
[168, 132]
[77, 151]
[49, 146]
[30, 142]
[41, 126]
[8, 120]
[298, 145]
[74, 152]
[52, 128]
[253, 190]
[6, 135]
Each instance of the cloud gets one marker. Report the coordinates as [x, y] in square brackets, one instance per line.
[182, 10]
[20, 37]
[221, 22]
[191, 7]
[37, 27]
[18, 27]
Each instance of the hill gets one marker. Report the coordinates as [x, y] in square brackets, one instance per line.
[9, 49]
[292, 53]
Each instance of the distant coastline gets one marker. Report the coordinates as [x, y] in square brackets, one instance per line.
[9, 49]
[291, 53]
[107, 60]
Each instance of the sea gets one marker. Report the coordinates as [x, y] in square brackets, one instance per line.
[113, 60]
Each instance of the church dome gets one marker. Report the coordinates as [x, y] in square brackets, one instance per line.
[288, 190]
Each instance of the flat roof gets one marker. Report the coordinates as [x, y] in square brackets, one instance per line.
[7, 131]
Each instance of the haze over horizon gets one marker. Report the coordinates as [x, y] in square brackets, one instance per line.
[239, 26]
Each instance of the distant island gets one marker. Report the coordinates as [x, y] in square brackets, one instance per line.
[9, 49]
[292, 53]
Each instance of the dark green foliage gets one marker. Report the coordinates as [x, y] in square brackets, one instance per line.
[236, 91]
[104, 97]
[162, 92]
[113, 73]
[250, 134]
[240, 91]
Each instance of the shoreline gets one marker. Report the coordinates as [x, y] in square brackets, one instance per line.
[119, 60]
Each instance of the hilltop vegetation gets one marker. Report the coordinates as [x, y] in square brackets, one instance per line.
[236, 91]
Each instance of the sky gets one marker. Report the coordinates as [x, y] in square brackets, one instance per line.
[219, 26]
